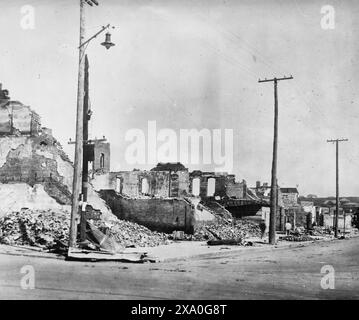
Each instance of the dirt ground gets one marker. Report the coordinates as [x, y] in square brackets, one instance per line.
[273, 273]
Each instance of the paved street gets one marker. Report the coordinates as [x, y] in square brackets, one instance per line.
[270, 273]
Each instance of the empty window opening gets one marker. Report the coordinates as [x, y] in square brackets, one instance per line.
[195, 186]
[118, 185]
[145, 187]
[102, 160]
[211, 187]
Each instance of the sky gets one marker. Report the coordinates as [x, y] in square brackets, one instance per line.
[195, 65]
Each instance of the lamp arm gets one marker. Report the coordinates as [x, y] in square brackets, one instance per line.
[94, 36]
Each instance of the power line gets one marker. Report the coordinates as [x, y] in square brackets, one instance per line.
[267, 63]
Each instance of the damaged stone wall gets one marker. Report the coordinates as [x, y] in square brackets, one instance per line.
[296, 216]
[224, 185]
[180, 184]
[34, 160]
[171, 184]
[137, 183]
[34, 170]
[236, 189]
[289, 197]
[102, 157]
[38, 163]
[163, 215]
[329, 221]
[15, 118]
[15, 196]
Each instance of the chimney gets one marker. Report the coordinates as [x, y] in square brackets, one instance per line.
[244, 195]
[258, 184]
[265, 184]
[3, 94]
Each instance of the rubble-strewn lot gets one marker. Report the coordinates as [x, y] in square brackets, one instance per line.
[131, 234]
[35, 228]
[297, 238]
[48, 229]
[316, 233]
[239, 230]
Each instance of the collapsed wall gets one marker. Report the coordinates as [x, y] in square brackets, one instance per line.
[35, 172]
[166, 214]
[160, 214]
[16, 196]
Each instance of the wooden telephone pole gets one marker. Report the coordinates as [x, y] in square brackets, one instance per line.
[85, 156]
[77, 181]
[336, 141]
[274, 189]
[88, 151]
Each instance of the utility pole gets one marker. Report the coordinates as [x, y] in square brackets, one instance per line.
[273, 195]
[86, 151]
[76, 186]
[77, 180]
[336, 183]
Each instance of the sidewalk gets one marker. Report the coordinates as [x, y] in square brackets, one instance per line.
[28, 251]
[183, 250]
[178, 250]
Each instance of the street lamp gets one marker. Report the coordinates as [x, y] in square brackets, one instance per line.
[77, 178]
[107, 44]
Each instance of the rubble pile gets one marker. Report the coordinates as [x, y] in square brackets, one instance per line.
[131, 234]
[238, 231]
[320, 231]
[49, 230]
[298, 238]
[301, 234]
[329, 232]
[40, 228]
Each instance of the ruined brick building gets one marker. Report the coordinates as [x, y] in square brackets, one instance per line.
[32, 159]
[170, 197]
[170, 180]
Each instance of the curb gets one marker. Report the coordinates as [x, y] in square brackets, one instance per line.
[241, 248]
[44, 255]
[154, 259]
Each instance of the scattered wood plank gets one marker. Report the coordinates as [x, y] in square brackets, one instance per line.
[224, 242]
[77, 254]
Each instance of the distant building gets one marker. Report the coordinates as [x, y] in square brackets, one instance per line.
[101, 157]
[312, 196]
[325, 208]
[289, 197]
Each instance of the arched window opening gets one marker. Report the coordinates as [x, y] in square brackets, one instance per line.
[102, 160]
[145, 187]
[195, 186]
[118, 185]
[211, 187]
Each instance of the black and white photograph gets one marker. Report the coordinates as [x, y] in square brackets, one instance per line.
[198, 151]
